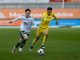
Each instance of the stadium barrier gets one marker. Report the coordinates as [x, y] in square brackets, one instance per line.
[70, 17]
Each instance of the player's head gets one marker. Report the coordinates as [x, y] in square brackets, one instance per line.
[27, 12]
[49, 10]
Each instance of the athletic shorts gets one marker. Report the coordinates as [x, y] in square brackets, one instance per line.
[40, 31]
[23, 32]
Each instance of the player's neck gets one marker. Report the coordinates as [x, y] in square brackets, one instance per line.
[48, 14]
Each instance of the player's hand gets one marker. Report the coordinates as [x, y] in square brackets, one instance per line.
[10, 22]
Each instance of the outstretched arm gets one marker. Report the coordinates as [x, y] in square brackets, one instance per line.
[55, 19]
[14, 20]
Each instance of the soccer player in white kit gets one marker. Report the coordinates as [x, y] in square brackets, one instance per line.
[25, 27]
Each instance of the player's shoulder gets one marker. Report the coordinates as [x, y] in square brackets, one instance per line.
[52, 13]
[44, 14]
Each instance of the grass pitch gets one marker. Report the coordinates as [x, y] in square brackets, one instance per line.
[62, 44]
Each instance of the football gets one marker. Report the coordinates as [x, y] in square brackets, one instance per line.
[40, 51]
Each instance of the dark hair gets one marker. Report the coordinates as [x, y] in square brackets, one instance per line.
[27, 10]
[49, 8]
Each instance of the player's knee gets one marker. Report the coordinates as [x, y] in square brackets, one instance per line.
[46, 33]
[25, 37]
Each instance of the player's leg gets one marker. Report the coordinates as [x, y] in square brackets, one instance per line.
[17, 45]
[38, 33]
[36, 39]
[24, 37]
[21, 42]
[44, 38]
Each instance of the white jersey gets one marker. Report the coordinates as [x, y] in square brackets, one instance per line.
[26, 23]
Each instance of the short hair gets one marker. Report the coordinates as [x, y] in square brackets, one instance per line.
[49, 8]
[27, 10]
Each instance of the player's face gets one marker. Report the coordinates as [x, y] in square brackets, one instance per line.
[27, 13]
[49, 12]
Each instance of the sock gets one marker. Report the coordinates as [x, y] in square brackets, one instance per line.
[42, 47]
[31, 47]
[44, 39]
[23, 43]
[18, 44]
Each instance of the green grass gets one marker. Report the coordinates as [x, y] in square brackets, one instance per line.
[62, 44]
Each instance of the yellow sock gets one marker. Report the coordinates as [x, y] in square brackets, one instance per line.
[44, 40]
[34, 41]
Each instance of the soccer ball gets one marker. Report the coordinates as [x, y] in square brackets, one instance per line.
[40, 51]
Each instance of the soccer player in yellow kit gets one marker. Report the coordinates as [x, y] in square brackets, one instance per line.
[43, 27]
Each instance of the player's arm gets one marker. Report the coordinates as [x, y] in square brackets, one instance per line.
[33, 25]
[18, 18]
[55, 19]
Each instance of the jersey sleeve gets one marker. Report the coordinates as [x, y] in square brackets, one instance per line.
[16, 19]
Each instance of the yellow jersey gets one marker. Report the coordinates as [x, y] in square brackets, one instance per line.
[46, 19]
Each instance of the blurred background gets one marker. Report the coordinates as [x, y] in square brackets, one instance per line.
[62, 44]
[67, 11]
